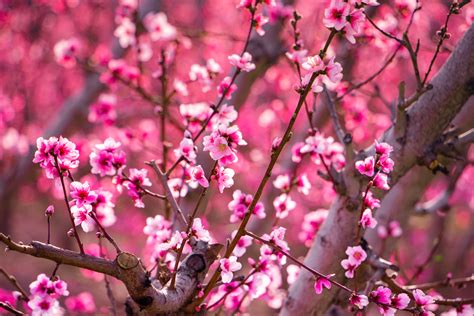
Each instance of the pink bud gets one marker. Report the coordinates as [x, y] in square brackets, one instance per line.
[49, 211]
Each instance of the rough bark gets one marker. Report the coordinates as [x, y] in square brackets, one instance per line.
[427, 119]
[148, 296]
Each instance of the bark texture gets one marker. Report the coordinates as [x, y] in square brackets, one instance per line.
[427, 119]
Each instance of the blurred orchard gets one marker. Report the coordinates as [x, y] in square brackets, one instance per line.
[257, 157]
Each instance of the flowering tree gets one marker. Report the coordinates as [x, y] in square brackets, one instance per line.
[314, 160]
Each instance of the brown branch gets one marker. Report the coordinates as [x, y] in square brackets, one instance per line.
[459, 282]
[445, 301]
[6, 306]
[148, 297]
[15, 283]
[169, 195]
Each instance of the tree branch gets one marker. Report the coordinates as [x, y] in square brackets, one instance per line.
[428, 118]
[149, 297]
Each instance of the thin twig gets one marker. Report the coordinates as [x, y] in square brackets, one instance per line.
[169, 195]
[7, 306]
[15, 283]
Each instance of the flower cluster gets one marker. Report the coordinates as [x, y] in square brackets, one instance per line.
[377, 168]
[107, 159]
[329, 72]
[45, 293]
[56, 156]
[322, 150]
[240, 204]
[135, 183]
[283, 203]
[164, 243]
[347, 17]
[88, 206]
[242, 63]
[222, 144]
[356, 255]
[388, 303]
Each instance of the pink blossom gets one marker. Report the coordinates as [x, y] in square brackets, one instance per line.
[400, 301]
[200, 74]
[44, 306]
[243, 63]
[240, 204]
[370, 201]
[137, 179]
[222, 144]
[225, 87]
[194, 115]
[336, 15]
[53, 148]
[359, 300]
[366, 166]
[104, 208]
[224, 177]
[356, 254]
[44, 286]
[293, 271]
[199, 231]
[313, 64]
[356, 20]
[65, 52]
[302, 184]
[180, 87]
[125, 32]
[81, 303]
[103, 110]
[383, 148]
[106, 158]
[367, 221]
[381, 181]
[82, 193]
[298, 56]
[385, 163]
[282, 182]
[381, 295]
[373, 3]
[158, 229]
[144, 51]
[158, 27]
[422, 299]
[178, 188]
[217, 146]
[259, 22]
[242, 245]
[49, 210]
[283, 205]
[198, 176]
[226, 115]
[333, 71]
[349, 267]
[277, 236]
[322, 283]
[186, 149]
[296, 154]
[82, 216]
[228, 266]
[213, 67]
[41, 286]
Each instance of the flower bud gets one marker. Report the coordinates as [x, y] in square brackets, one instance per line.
[70, 233]
[49, 211]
